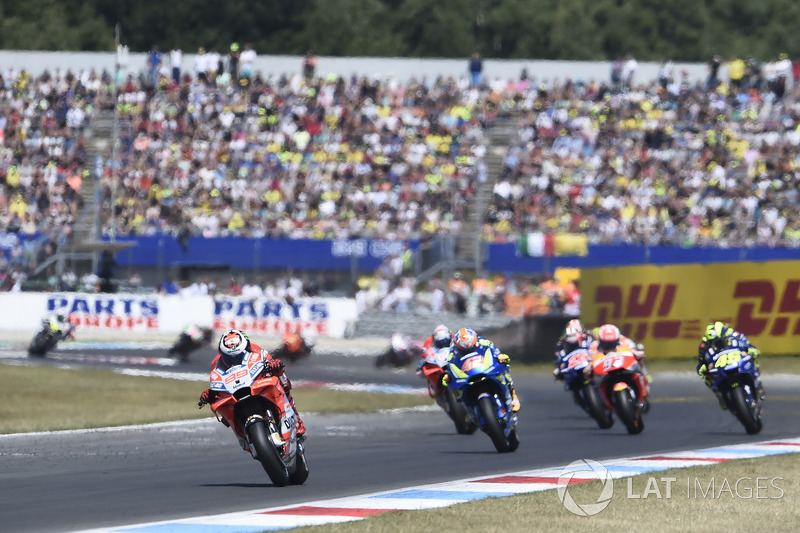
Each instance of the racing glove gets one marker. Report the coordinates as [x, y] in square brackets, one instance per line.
[276, 367]
[446, 380]
[754, 353]
[207, 396]
[503, 358]
[702, 370]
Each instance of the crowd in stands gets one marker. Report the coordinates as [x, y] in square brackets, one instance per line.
[664, 161]
[220, 149]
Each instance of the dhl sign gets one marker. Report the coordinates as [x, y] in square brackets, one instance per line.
[668, 307]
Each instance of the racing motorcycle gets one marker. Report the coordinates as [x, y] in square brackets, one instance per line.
[477, 380]
[293, 348]
[622, 387]
[190, 340]
[48, 337]
[253, 403]
[576, 370]
[403, 350]
[732, 373]
[432, 369]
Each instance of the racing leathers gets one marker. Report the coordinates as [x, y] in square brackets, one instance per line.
[276, 368]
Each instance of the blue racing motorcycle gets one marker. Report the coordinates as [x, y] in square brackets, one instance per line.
[576, 371]
[477, 380]
[733, 374]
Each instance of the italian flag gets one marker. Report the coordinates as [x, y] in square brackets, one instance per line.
[536, 245]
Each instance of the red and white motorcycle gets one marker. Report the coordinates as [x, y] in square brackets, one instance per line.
[254, 404]
[432, 369]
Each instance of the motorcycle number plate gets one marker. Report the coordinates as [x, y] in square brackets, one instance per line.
[472, 362]
[613, 362]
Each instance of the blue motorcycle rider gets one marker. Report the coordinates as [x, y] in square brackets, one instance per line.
[719, 337]
[465, 341]
[573, 338]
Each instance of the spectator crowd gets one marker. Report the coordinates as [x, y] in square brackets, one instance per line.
[220, 149]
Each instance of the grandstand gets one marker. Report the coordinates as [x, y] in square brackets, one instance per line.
[367, 157]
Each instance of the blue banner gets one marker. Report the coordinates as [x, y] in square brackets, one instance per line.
[367, 254]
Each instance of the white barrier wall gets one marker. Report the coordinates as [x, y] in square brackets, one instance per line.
[324, 317]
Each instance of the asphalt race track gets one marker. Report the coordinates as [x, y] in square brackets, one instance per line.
[70, 481]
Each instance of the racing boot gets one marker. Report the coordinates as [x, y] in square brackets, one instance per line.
[515, 405]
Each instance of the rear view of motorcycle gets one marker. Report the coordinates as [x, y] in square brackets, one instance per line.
[294, 347]
[253, 403]
[190, 340]
[402, 351]
[53, 330]
[733, 375]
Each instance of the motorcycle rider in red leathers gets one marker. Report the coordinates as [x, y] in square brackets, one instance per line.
[609, 339]
[234, 346]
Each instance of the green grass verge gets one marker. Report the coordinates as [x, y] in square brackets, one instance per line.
[702, 499]
[45, 398]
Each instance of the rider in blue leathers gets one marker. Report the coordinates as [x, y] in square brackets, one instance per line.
[466, 340]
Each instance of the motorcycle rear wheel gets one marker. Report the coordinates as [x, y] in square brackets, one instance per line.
[459, 416]
[745, 413]
[492, 425]
[258, 435]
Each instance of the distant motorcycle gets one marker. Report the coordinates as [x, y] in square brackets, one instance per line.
[432, 369]
[403, 350]
[253, 403]
[623, 387]
[293, 348]
[51, 333]
[733, 374]
[576, 370]
[190, 340]
[477, 381]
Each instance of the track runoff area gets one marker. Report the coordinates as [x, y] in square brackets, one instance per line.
[557, 479]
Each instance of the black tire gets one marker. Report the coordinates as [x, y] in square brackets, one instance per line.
[596, 407]
[39, 345]
[300, 474]
[492, 425]
[745, 413]
[382, 360]
[268, 456]
[458, 413]
[630, 415]
[513, 440]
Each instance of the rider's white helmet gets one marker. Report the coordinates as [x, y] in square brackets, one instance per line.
[233, 345]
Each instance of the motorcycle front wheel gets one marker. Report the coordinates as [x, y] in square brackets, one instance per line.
[258, 434]
[596, 407]
[627, 411]
[492, 425]
[745, 413]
